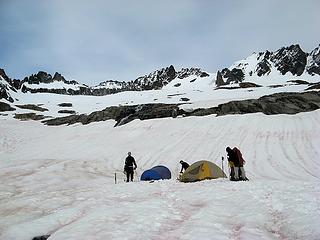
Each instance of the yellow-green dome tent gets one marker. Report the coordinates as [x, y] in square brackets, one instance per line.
[202, 170]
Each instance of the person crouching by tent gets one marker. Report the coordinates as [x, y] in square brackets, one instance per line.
[184, 166]
[233, 163]
[129, 166]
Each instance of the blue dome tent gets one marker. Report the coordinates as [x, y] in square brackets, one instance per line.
[156, 173]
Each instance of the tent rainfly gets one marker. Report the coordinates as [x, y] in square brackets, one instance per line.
[156, 173]
[202, 170]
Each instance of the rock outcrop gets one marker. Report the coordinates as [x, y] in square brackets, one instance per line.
[32, 107]
[6, 87]
[279, 103]
[236, 75]
[121, 114]
[5, 107]
[314, 62]
[29, 116]
[290, 59]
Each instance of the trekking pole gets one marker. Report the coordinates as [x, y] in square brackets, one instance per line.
[222, 159]
[115, 178]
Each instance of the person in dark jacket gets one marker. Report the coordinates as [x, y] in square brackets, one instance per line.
[129, 166]
[184, 166]
[234, 164]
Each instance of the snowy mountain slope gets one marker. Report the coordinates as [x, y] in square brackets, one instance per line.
[68, 190]
[269, 68]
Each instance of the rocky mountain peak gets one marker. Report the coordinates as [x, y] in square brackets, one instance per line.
[4, 75]
[290, 59]
[314, 61]
[44, 77]
[156, 79]
[6, 86]
[58, 77]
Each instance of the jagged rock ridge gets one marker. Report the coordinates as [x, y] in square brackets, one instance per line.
[43, 82]
[290, 59]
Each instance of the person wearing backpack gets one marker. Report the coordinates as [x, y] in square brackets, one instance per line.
[242, 173]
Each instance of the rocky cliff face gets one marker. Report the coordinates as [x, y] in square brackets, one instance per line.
[6, 86]
[160, 78]
[290, 59]
[313, 65]
[156, 79]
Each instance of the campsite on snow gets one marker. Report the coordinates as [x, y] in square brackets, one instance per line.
[63, 147]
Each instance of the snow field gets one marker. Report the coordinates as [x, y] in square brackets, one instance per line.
[60, 180]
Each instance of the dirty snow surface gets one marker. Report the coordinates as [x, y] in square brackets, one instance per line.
[60, 180]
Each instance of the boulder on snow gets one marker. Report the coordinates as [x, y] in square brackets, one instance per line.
[248, 85]
[29, 116]
[67, 111]
[65, 104]
[32, 107]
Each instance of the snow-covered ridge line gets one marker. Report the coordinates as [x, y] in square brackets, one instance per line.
[264, 68]
[287, 63]
[44, 82]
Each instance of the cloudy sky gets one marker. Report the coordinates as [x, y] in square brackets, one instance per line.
[93, 41]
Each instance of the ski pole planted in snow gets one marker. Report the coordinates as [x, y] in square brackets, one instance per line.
[115, 178]
[222, 159]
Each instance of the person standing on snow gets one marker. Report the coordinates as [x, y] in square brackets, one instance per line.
[129, 166]
[184, 166]
[242, 173]
[233, 163]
